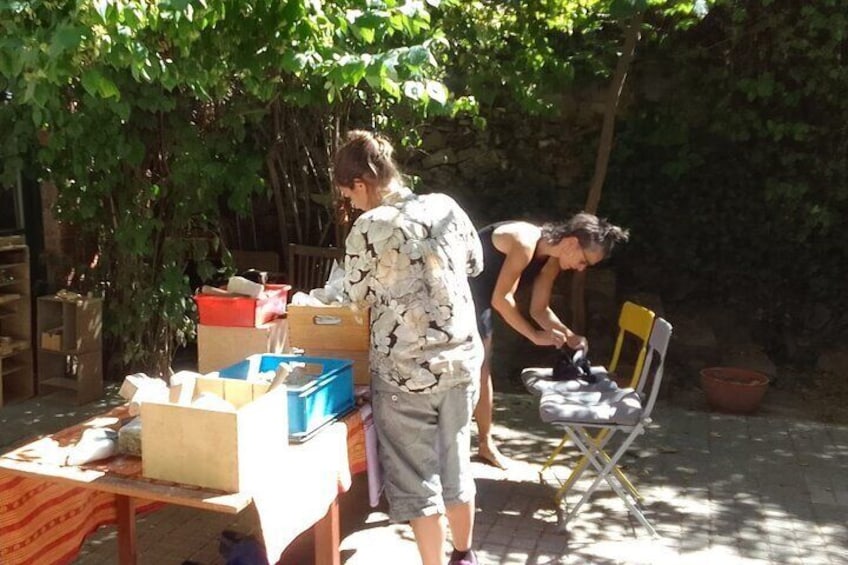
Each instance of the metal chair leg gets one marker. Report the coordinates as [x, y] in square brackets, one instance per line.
[581, 466]
[605, 473]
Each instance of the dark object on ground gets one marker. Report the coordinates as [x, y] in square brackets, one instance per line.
[240, 549]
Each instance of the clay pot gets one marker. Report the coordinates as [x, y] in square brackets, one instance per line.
[733, 390]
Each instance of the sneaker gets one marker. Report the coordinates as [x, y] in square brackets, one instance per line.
[463, 558]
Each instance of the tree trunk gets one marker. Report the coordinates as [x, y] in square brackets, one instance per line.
[631, 38]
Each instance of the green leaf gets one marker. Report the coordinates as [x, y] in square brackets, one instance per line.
[390, 86]
[96, 85]
[176, 5]
[367, 34]
[436, 91]
[101, 6]
[414, 90]
[623, 9]
[295, 62]
[294, 10]
[122, 109]
[373, 78]
[417, 56]
[5, 60]
[66, 37]
[37, 119]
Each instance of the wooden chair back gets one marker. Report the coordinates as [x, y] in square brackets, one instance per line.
[309, 266]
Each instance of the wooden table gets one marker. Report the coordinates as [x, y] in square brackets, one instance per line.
[131, 491]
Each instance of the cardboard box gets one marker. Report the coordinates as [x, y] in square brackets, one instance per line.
[338, 328]
[221, 346]
[212, 448]
[313, 404]
[52, 339]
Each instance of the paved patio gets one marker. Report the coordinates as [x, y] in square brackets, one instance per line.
[720, 489]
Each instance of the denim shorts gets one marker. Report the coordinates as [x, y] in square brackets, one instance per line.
[425, 448]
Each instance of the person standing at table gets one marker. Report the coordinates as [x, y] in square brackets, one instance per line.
[408, 258]
[515, 254]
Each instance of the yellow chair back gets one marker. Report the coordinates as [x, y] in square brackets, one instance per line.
[636, 321]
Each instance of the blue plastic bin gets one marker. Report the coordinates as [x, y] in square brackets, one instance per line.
[314, 404]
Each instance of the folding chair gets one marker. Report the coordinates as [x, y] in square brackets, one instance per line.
[634, 323]
[628, 414]
[309, 266]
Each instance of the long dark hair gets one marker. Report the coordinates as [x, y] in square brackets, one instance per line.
[590, 231]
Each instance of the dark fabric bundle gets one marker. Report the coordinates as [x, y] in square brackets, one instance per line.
[570, 366]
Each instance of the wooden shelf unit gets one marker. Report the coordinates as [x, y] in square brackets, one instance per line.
[70, 352]
[16, 359]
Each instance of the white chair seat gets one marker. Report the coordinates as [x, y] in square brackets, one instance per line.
[620, 406]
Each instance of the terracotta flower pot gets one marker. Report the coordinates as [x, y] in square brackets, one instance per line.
[733, 390]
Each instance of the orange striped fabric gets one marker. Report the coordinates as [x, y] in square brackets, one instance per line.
[44, 522]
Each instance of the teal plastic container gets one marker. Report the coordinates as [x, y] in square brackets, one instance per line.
[321, 400]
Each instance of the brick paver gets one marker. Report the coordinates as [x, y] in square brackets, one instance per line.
[765, 489]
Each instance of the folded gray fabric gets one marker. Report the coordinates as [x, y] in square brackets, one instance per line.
[619, 406]
[538, 380]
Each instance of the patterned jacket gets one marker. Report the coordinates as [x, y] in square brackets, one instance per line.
[408, 260]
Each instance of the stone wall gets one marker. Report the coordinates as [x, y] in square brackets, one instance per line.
[515, 167]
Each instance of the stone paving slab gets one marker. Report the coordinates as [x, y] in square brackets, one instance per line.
[719, 489]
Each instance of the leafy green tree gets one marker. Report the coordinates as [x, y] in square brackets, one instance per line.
[530, 53]
[152, 116]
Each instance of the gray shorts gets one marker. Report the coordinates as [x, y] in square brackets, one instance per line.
[425, 448]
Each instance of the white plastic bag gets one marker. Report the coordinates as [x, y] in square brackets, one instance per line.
[94, 444]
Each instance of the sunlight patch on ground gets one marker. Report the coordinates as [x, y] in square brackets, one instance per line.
[656, 552]
[378, 545]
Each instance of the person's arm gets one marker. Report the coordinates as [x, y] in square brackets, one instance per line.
[517, 241]
[540, 306]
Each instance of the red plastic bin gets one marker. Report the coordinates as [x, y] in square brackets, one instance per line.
[242, 311]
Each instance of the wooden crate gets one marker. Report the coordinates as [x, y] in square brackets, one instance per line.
[227, 451]
[221, 346]
[337, 328]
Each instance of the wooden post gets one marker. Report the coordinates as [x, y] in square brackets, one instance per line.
[127, 547]
[631, 38]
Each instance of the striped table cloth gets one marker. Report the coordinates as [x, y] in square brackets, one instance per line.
[44, 522]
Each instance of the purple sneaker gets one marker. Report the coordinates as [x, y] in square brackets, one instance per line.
[463, 558]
